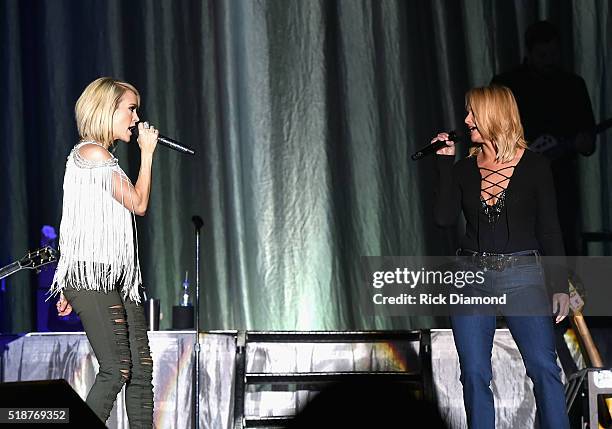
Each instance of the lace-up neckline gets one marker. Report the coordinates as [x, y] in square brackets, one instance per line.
[492, 203]
[528, 219]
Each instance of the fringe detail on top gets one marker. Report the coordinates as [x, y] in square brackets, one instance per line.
[97, 233]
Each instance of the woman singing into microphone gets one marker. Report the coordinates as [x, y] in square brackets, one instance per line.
[98, 272]
[507, 197]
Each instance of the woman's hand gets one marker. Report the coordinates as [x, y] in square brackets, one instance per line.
[560, 306]
[147, 137]
[63, 306]
[450, 145]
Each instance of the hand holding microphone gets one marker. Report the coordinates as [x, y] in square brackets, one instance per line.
[163, 140]
[449, 143]
[146, 136]
[442, 144]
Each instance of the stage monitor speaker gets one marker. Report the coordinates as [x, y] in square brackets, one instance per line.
[46, 395]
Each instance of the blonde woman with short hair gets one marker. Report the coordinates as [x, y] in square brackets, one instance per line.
[98, 273]
[507, 196]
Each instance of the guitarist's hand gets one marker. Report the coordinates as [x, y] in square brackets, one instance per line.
[63, 306]
[585, 143]
[560, 306]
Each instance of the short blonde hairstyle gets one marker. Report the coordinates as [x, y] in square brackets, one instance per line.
[96, 106]
[497, 117]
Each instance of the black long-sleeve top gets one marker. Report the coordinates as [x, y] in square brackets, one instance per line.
[528, 219]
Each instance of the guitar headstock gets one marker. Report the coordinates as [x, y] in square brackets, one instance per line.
[577, 294]
[39, 257]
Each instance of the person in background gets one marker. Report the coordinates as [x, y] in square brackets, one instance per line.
[554, 103]
[558, 120]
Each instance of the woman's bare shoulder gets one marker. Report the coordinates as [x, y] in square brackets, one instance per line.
[94, 152]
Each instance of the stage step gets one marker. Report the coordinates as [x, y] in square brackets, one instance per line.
[275, 381]
[331, 336]
[267, 422]
[314, 379]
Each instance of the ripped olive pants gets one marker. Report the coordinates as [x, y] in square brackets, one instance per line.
[117, 331]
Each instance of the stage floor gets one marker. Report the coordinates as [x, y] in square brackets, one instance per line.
[38, 356]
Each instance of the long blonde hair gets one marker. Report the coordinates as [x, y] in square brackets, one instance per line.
[497, 117]
[96, 106]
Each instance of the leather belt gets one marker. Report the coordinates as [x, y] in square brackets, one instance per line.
[500, 261]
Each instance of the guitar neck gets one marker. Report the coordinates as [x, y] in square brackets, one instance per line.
[587, 340]
[9, 269]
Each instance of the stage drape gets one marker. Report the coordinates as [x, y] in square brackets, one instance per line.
[303, 114]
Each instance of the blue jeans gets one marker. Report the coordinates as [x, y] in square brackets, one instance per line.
[534, 337]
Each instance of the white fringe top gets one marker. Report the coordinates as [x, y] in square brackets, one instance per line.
[97, 233]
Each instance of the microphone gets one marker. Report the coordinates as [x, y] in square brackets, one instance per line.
[434, 147]
[165, 141]
[197, 221]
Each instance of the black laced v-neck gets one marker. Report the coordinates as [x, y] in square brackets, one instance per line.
[493, 210]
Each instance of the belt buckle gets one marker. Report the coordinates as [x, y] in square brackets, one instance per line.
[479, 260]
[492, 261]
[482, 261]
[499, 263]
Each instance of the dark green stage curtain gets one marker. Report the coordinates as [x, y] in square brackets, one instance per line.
[303, 114]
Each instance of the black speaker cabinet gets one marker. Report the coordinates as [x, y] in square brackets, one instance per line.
[44, 396]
